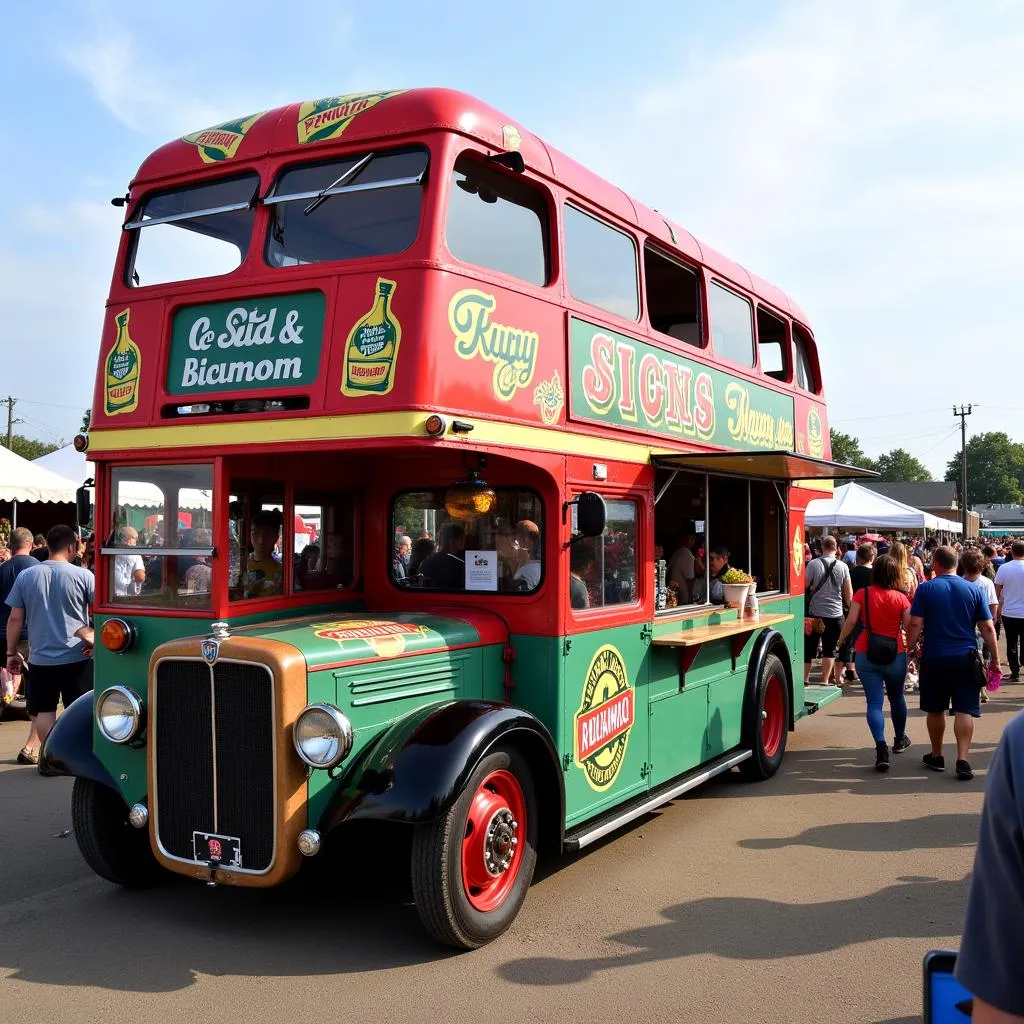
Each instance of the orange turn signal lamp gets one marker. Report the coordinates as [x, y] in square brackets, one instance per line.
[118, 635]
[435, 425]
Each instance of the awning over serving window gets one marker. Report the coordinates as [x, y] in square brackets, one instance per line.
[762, 465]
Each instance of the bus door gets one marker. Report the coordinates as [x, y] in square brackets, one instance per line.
[605, 667]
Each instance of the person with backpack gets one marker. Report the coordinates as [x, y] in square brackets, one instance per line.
[883, 609]
[827, 595]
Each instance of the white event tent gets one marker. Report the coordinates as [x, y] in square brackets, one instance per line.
[853, 506]
[21, 480]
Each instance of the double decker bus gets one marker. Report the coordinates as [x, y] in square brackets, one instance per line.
[419, 449]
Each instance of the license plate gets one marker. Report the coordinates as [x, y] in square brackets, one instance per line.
[226, 850]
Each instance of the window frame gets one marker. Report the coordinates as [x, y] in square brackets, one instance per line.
[573, 203]
[518, 594]
[610, 610]
[669, 257]
[788, 364]
[715, 282]
[810, 363]
[545, 214]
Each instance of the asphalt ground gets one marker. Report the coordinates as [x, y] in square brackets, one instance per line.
[810, 897]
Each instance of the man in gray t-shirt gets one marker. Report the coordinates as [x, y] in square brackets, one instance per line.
[52, 600]
[828, 582]
[989, 963]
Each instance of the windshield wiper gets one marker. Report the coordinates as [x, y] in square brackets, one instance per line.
[342, 179]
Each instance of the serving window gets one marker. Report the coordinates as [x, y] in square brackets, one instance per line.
[705, 525]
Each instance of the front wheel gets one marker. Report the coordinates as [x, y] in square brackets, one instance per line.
[766, 721]
[111, 846]
[472, 867]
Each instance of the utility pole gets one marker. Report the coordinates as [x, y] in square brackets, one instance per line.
[963, 414]
[10, 422]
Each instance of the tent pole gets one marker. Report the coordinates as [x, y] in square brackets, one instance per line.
[14, 514]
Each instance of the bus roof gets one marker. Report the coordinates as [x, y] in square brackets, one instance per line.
[301, 128]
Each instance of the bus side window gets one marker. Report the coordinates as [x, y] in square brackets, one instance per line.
[600, 264]
[322, 548]
[772, 345]
[732, 333]
[673, 297]
[602, 570]
[804, 375]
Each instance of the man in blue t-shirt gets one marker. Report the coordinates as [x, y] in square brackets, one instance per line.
[949, 608]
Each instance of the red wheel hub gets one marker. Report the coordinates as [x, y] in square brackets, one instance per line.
[772, 724]
[492, 847]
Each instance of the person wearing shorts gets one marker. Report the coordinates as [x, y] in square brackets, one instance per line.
[828, 584]
[949, 609]
[52, 600]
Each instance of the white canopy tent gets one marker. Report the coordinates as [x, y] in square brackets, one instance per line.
[21, 480]
[852, 506]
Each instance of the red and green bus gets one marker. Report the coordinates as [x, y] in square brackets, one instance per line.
[417, 447]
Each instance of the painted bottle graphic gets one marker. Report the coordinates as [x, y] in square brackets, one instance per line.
[124, 363]
[372, 348]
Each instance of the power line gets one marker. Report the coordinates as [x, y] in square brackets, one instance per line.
[52, 405]
[885, 416]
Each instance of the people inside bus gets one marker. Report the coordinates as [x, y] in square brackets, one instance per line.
[682, 564]
[263, 575]
[718, 564]
[198, 573]
[581, 566]
[422, 549]
[400, 562]
[332, 571]
[527, 576]
[129, 570]
[446, 568]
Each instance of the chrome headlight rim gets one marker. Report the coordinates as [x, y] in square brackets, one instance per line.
[134, 704]
[345, 735]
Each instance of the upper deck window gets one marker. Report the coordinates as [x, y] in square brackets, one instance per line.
[772, 344]
[732, 329]
[498, 222]
[673, 297]
[804, 375]
[353, 207]
[600, 264]
[199, 231]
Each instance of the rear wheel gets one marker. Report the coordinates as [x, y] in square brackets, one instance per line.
[472, 867]
[111, 846]
[766, 721]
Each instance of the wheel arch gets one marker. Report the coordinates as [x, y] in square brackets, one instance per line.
[417, 768]
[769, 641]
[68, 747]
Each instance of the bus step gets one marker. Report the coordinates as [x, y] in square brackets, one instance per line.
[816, 697]
[591, 831]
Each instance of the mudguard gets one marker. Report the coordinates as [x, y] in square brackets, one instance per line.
[68, 747]
[419, 766]
[769, 641]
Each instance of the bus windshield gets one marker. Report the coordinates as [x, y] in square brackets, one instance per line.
[499, 550]
[159, 549]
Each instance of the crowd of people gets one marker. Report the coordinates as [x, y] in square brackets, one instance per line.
[904, 615]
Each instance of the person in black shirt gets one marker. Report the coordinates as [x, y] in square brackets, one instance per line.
[446, 568]
[20, 560]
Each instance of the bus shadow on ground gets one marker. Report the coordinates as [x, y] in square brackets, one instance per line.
[932, 832]
[740, 928]
[343, 919]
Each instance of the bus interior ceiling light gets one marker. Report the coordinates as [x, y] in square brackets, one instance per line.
[472, 496]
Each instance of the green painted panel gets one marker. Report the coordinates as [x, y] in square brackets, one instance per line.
[604, 733]
[246, 344]
[618, 381]
[679, 733]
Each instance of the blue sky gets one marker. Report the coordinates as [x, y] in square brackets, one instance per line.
[867, 158]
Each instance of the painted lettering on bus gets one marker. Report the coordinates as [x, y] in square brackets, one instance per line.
[512, 349]
[754, 427]
[244, 327]
[667, 392]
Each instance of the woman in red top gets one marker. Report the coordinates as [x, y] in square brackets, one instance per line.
[887, 609]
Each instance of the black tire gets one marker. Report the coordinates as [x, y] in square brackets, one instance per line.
[772, 689]
[441, 899]
[110, 845]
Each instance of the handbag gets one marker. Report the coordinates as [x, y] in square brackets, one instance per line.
[979, 669]
[882, 650]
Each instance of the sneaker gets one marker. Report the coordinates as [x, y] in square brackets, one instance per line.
[963, 771]
[881, 756]
[936, 762]
[850, 676]
[1013, 677]
[984, 697]
[26, 756]
[900, 745]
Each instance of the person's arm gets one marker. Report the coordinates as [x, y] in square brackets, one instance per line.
[847, 592]
[914, 629]
[986, 1013]
[851, 621]
[988, 634]
[14, 627]
[999, 598]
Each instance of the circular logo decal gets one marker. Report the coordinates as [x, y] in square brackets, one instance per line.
[815, 435]
[798, 553]
[604, 719]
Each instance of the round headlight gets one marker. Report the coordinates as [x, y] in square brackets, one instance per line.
[118, 714]
[323, 735]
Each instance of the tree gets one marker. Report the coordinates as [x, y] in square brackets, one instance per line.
[995, 469]
[29, 448]
[86, 420]
[847, 450]
[899, 466]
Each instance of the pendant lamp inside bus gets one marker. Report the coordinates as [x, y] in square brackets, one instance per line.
[470, 497]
